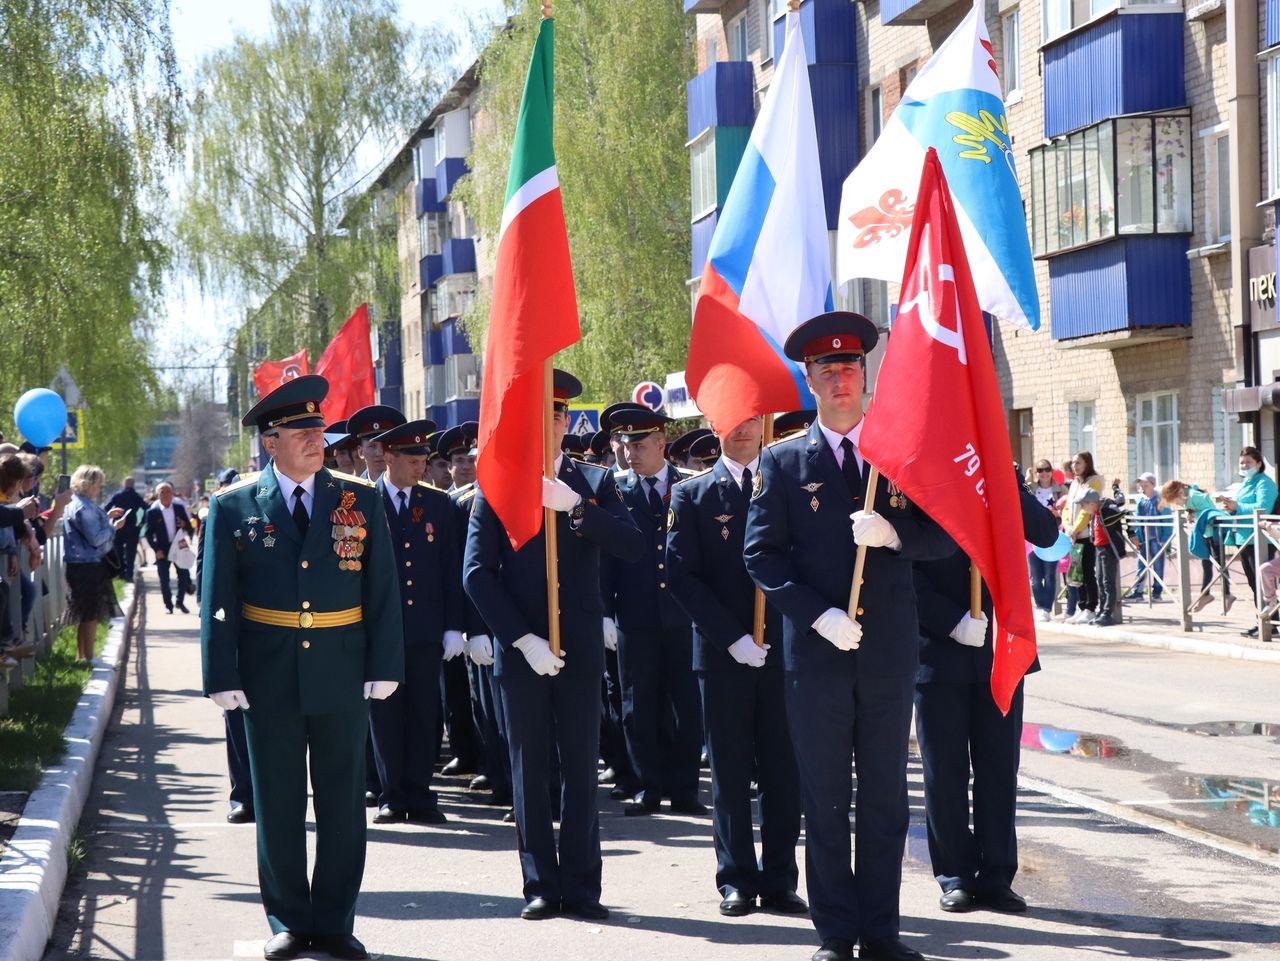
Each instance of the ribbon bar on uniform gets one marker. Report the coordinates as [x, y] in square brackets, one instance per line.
[265, 615]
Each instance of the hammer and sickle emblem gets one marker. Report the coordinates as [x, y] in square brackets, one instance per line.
[925, 305]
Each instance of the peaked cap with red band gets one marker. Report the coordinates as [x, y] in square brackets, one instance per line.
[836, 337]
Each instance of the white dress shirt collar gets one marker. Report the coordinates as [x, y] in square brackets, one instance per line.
[735, 469]
[287, 486]
[834, 440]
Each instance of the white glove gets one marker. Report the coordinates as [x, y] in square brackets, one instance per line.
[839, 628]
[479, 648]
[537, 652]
[453, 644]
[379, 690]
[610, 634]
[745, 651]
[558, 495]
[230, 700]
[873, 530]
[971, 631]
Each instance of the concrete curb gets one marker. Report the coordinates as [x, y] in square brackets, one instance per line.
[33, 870]
[1169, 642]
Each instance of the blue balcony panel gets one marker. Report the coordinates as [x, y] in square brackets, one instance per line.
[453, 339]
[392, 363]
[1125, 285]
[434, 352]
[427, 198]
[1271, 30]
[835, 112]
[702, 231]
[448, 172]
[723, 95]
[830, 30]
[439, 413]
[430, 269]
[459, 256]
[457, 412]
[1120, 64]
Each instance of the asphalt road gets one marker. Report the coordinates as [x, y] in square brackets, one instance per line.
[166, 878]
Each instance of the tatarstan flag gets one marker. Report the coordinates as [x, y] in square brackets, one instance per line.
[534, 312]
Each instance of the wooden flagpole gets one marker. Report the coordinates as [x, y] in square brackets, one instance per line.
[855, 589]
[757, 625]
[975, 591]
[548, 515]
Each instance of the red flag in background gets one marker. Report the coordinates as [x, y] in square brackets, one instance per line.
[270, 374]
[347, 364]
[936, 424]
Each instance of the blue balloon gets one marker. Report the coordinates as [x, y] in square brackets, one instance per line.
[1055, 551]
[41, 416]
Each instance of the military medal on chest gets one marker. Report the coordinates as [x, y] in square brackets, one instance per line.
[269, 535]
[897, 499]
[348, 533]
[812, 488]
[723, 521]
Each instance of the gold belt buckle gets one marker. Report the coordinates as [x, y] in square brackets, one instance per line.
[305, 619]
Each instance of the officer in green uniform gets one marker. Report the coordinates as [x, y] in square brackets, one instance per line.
[300, 626]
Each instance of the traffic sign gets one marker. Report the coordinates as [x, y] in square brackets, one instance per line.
[73, 433]
[648, 394]
[64, 384]
[584, 419]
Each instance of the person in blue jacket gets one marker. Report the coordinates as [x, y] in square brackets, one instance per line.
[552, 702]
[849, 682]
[1257, 492]
[960, 729]
[743, 699]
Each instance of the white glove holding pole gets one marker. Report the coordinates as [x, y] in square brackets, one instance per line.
[230, 700]
[453, 644]
[479, 647]
[558, 495]
[745, 651]
[971, 631]
[610, 634]
[537, 652]
[379, 690]
[838, 628]
[872, 530]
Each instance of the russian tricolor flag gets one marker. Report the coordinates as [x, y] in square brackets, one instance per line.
[769, 267]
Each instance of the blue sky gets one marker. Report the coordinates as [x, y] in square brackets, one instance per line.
[195, 326]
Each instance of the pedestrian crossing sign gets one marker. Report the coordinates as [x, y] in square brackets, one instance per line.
[73, 433]
[584, 419]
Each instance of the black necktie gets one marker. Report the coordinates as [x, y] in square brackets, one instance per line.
[655, 499]
[746, 478]
[403, 503]
[300, 512]
[849, 468]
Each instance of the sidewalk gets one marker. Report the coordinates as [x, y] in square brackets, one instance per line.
[165, 877]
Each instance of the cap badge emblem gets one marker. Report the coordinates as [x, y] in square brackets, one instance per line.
[311, 407]
[835, 341]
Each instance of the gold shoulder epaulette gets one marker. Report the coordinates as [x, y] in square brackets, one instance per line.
[244, 481]
[690, 475]
[342, 475]
[782, 440]
[468, 492]
[457, 491]
[685, 472]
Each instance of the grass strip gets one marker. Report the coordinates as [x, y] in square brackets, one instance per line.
[31, 736]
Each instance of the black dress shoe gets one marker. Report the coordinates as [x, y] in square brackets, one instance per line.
[887, 949]
[479, 783]
[169, 608]
[607, 776]
[620, 794]
[735, 905]
[539, 909]
[956, 901]
[240, 813]
[458, 766]
[285, 945]
[788, 902]
[640, 809]
[427, 816]
[388, 815]
[588, 910]
[510, 816]
[183, 607]
[689, 807]
[1005, 900]
[346, 946]
[371, 799]
[1251, 632]
[834, 949]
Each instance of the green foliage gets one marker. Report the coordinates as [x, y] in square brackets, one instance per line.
[31, 735]
[277, 129]
[89, 108]
[624, 174]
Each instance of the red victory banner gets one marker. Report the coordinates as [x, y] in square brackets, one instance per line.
[936, 424]
[270, 374]
[347, 364]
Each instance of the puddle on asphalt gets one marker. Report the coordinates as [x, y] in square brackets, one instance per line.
[1240, 808]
